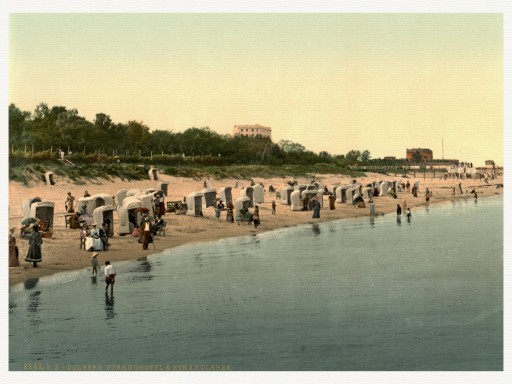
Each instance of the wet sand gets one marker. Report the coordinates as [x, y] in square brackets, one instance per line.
[63, 253]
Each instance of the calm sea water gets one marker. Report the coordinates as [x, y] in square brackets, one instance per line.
[348, 295]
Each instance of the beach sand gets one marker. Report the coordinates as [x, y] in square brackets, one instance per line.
[63, 253]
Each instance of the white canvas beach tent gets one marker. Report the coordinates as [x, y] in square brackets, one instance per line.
[333, 189]
[153, 173]
[26, 204]
[241, 202]
[195, 204]
[312, 197]
[101, 199]
[341, 193]
[300, 187]
[384, 188]
[128, 217]
[43, 210]
[86, 202]
[259, 195]
[147, 201]
[248, 192]
[49, 178]
[367, 193]
[320, 197]
[350, 192]
[104, 212]
[295, 200]
[164, 187]
[133, 192]
[225, 194]
[285, 192]
[209, 197]
[357, 190]
[120, 195]
[320, 185]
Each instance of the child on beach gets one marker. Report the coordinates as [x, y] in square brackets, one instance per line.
[217, 213]
[94, 263]
[273, 207]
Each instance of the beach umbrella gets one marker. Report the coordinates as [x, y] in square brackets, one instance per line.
[28, 221]
[142, 209]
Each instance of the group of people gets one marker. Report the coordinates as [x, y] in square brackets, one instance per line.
[34, 254]
[94, 238]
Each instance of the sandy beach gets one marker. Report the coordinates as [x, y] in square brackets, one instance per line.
[62, 252]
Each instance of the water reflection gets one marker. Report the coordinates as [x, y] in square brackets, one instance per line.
[30, 283]
[316, 229]
[372, 220]
[34, 300]
[109, 305]
[399, 220]
[142, 269]
[94, 280]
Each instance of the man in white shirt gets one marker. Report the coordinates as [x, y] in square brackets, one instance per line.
[110, 276]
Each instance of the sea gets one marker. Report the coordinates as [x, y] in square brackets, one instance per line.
[362, 294]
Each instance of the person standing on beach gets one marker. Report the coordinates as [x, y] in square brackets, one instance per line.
[404, 205]
[110, 276]
[229, 212]
[13, 250]
[256, 217]
[331, 202]
[146, 232]
[316, 210]
[35, 241]
[94, 263]
[273, 207]
[372, 207]
[407, 185]
[70, 202]
[398, 210]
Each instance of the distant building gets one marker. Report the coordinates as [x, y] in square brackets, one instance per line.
[252, 130]
[489, 163]
[389, 158]
[426, 154]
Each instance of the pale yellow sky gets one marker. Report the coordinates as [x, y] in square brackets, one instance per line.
[332, 82]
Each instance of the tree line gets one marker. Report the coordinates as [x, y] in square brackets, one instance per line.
[50, 129]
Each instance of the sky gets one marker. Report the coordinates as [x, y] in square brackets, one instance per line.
[332, 82]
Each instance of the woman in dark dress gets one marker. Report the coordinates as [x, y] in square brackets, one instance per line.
[34, 248]
[316, 210]
[13, 250]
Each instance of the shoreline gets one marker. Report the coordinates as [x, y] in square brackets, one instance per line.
[61, 253]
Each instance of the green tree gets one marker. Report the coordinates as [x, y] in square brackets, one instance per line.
[138, 136]
[291, 147]
[365, 156]
[352, 157]
[19, 126]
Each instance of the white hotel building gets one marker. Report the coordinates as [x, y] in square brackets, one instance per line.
[252, 130]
